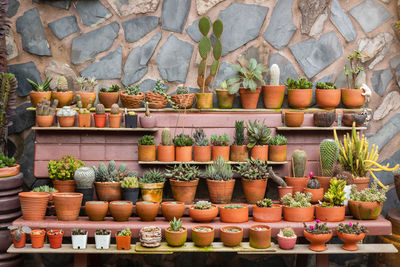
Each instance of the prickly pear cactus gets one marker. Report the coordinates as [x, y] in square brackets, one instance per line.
[166, 137]
[275, 74]
[84, 177]
[329, 153]
[299, 163]
[62, 84]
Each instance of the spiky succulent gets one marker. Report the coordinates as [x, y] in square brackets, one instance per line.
[152, 177]
[299, 163]
[124, 232]
[220, 140]
[133, 90]
[130, 182]
[183, 172]
[329, 154]
[313, 184]
[166, 137]
[264, 203]
[258, 133]
[200, 137]
[62, 84]
[40, 87]
[219, 170]
[287, 232]
[239, 133]
[202, 205]
[111, 173]
[100, 109]
[183, 140]
[253, 169]
[278, 140]
[175, 225]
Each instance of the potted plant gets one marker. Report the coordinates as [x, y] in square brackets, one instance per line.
[324, 119]
[220, 146]
[166, 150]
[327, 95]
[46, 189]
[67, 205]
[297, 208]
[123, 238]
[328, 157]
[45, 112]
[273, 93]
[158, 97]
[86, 91]
[100, 116]
[260, 236]
[96, 210]
[79, 238]
[353, 97]
[37, 238]
[150, 236]
[33, 205]
[351, 234]
[102, 238]
[130, 189]
[183, 147]
[8, 167]
[109, 96]
[317, 235]
[332, 209]
[247, 77]
[231, 236]
[277, 148]
[147, 210]
[266, 211]
[297, 177]
[203, 211]
[84, 116]
[66, 116]
[203, 235]
[121, 210]
[183, 99]
[147, 121]
[300, 92]
[294, 118]
[55, 238]
[146, 148]
[225, 100]
[234, 213]
[201, 148]
[315, 189]
[239, 150]
[172, 209]
[254, 174]
[84, 178]
[132, 97]
[220, 181]
[258, 136]
[183, 179]
[130, 119]
[151, 185]
[18, 235]
[176, 234]
[62, 172]
[286, 238]
[114, 118]
[283, 188]
[39, 91]
[62, 94]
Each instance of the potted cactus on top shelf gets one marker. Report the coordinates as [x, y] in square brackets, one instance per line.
[299, 93]
[274, 93]
[166, 150]
[328, 157]
[114, 117]
[66, 116]
[109, 96]
[220, 146]
[258, 135]
[297, 172]
[132, 97]
[39, 91]
[45, 112]
[239, 151]
[327, 95]
[220, 181]
[158, 97]
[100, 116]
[62, 93]
[201, 148]
[86, 90]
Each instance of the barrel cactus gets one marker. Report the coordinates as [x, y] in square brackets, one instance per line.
[62, 84]
[114, 109]
[313, 184]
[275, 74]
[166, 137]
[84, 177]
[329, 153]
[299, 163]
[100, 109]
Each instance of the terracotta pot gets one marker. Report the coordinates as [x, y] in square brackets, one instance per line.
[37, 97]
[152, 192]
[260, 238]
[184, 191]
[147, 210]
[55, 238]
[45, 121]
[324, 119]
[176, 238]
[183, 100]
[68, 205]
[166, 153]
[99, 120]
[254, 190]
[324, 181]
[155, 100]
[300, 98]
[131, 101]
[317, 194]
[220, 191]
[183, 153]
[284, 190]
[33, 205]
[234, 215]
[172, 209]
[361, 183]
[121, 210]
[203, 215]
[259, 152]
[286, 243]
[298, 183]
[328, 98]
[350, 240]
[317, 240]
[277, 153]
[108, 191]
[231, 239]
[365, 210]
[147, 152]
[148, 122]
[21, 242]
[37, 238]
[330, 214]
[123, 242]
[298, 214]
[64, 98]
[225, 100]
[84, 119]
[220, 151]
[294, 118]
[273, 95]
[352, 98]
[66, 121]
[349, 118]
[96, 210]
[108, 98]
[204, 100]
[114, 120]
[202, 153]
[64, 186]
[271, 214]
[85, 97]
[248, 98]
[9, 171]
[239, 153]
[202, 239]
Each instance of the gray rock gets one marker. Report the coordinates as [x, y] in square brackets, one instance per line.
[147, 85]
[88, 45]
[375, 48]
[11, 148]
[13, 6]
[310, 11]
[64, 27]
[64, 4]
[247, 18]
[136, 28]
[389, 103]
[315, 55]
[174, 59]
[387, 177]
[31, 29]
[342, 22]
[395, 65]
[203, 6]
[392, 201]
[128, 7]
[370, 15]
[136, 64]
[92, 12]
[341, 80]
[174, 14]
[380, 80]
[22, 120]
[27, 160]
[194, 32]
[285, 66]
[386, 132]
[23, 71]
[108, 67]
[280, 28]
[11, 45]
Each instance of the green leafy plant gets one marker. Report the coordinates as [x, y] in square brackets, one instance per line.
[175, 225]
[6, 161]
[247, 76]
[234, 206]
[257, 133]
[327, 85]
[161, 88]
[354, 69]
[264, 203]
[317, 229]
[40, 87]
[78, 231]
[44, 189]
[287, 232]
[133, 90]
[202, 205]
[183, 140]
[64, 168]
[300, 200]
[88, 84]
[103, 232]
[219, 170]
[239, 133]
[111, 173]
[370, 194]
[220, 140]
[351, 228]
[183, 172]
[130, 182]
[335, 196]
[114, 88]
[302, 83]
[200, 137]
[152, 177]
[278, 140]
[253, 169]
[182, 89]
[146, 140]
[124, 232]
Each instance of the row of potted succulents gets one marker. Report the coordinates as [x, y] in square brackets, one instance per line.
[8, 167]
[19, 235]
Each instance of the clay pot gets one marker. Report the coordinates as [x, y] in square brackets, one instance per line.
[131, 101]
[361, 183]
[68, 205]
[108, 191]
[260, 238]
[239, 215]
[365, 210]
[33, 205]
[294, 118]
[184, 191]
[204, 100]
[350, 240]
[37, 97]
[9, 171]
[99, 120]
[84, 120]
[123, 242]
[328, 98]
[96, 210]
[183, 101]
[147, 210]
[298, 183]
[300, 98]
[114, 120]
[21, 242]
[267, 214]
[203, 215]
[282, 191]
[166, 153]
[286, 243]
[248, 98]
[273, 95]
[231, 239]
[37, 238]
[108, 98]
[330, 214]
[291, 214]
[352, 98]
[45, 121]
[317, 240]
[85, 97]
[66, 121]
[183, 153]
[254, 190]
[148, 122]
[220, 151]
[172, 209]
[225, 100]
[64, 98]
[155, 100]
[202, 239]
[259, 153]
[317, 194]
[55, 238]
[349, 118]
[152, 192]
[324, 181]
[176, 238]
[146, 152]
[121, 210]
[239, 153]
[202, 153]
[324, 119]
[220, 191]
[277, 153]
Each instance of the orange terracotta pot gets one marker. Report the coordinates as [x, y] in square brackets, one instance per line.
[298, 214]
[231, 239]
[298, 183]
[108, 98]
[239, 215]
[273, 95]
[330, 214]
[64, 98]
[55, 238]
[68, 205]
[203, 215]
[108, 191]
[147, 153]
[171, 209]
[84, 119]
[33, 205]
[64, 186]
[66, 121]
[121, 210]
[45, 121]
[165, 153]
[277, 153]
[202, 153]
[350, 240]
[324, 181]
[152, 192]
[204, 100]
[100, 120]
[183, 153]
[114, 120]
[176, 238]
[220, 191]
[184, 191]
[202, 239]
[267, 214]
[317, 194]
[9, 171]
[317, 240]
[365, 210]
[248, 98]
[85, 97]
[260, 238]
[37, 238]
[20, 243]
[123, 242]
[220, 151]
[239, 153]
[254, 190]
[328, 98]
[259, 152]
[37, 97]
[361, 183]
[300, 98]
[146, 210]
[96, 210]
[294, 118]
[284, 190]
[352, 98]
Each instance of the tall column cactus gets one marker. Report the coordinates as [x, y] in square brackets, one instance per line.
[299, 163]
[274, 74]
[328, 154]
[8, 84]
[166, 137]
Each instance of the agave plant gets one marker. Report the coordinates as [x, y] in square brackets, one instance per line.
[257, 134]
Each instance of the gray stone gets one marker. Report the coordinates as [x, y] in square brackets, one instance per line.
[147, 85]
[23, 71]
[88, 45]
[318, 25]
[64, 27]
[11, 45]
[280, 28]
[13, 6]
[342, 22]
[285, 66]
[27, 160]
[247, 18]
[136, 28]
[128, 7]
[174, 14]
[386, 132]
[31, 29]
[92, 12]
[392, 201]
[315, 55]
[64, 4]
[22, 120]
[395, 65]
[136, 64]
[174, 59]
[375, 48]
[310, 11]
[194, 32]
[55, 69]
[203, 6]
[259, 51]
[108, 67]
[389, 103]
[11, 148]
[370, 15]
[380, 80]
[387, 177]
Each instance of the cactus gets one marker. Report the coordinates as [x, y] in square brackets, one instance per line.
[83, 110]
[44, 108]
[100, 109]
[239, 133]
[299, 163]
[275, 74]
[66, 111]
[114, 109]
[147, 112]
[84, 177]
[166, 137]
[313, 184]
[329, 154]
[62, 84]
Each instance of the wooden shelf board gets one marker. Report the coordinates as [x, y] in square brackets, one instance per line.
[121, 129]
[199, 163]
[313, 128]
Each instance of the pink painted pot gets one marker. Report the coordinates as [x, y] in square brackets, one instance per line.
[286, 243]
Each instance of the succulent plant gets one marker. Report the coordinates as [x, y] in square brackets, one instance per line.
[130, 182]
[40, 87]
[64, 168]
[111, 173]
[82, 109]
[44, 189]
[257, 133]
[124, 232]
[278, 140]
[147, 109]
[62, 84]
[200, 137]
[313, 184]
[175, 225]
[183, 172]
[18, 231]
[253, 169]
[274, 74]
[114, 109]
[239, 133]
[247, 76]
[8, 95]
[84, 177]
[335, 196]
[100, 109]
[166, 137]
[329, 154]
[287, 232]
[299, 200]
[103, 232]
[351, 228]
[220, 140]
[146, 140]
[327, 85]
[370, 194]
[182, 89]
[181, 140]
[152, 177]
[202, 205]
[6, 161]
[299, 163]
[233, 206]
[46, 108]
[354, 69]
[302, 83]
[66, 111]
[317, 229]
[133, 90]
[219, 170]
[264, 203]
[78, 231]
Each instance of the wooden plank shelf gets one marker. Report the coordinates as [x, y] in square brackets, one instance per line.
[96, 129]
[314, 128]
[200, 163]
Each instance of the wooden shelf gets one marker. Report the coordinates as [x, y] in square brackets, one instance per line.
[199, 163]
[314, 128]
[121, 129]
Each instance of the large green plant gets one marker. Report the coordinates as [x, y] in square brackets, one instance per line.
[247, 76]
[64, 168]
[253, 169]
[7, 105]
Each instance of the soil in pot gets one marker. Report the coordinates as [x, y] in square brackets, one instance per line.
[324, 181]
[96, 210]
[130, 194]
[220, 151]
[273, 95]
[231, 236]
[152, 192]
[259, 153]
[55, 238]
[220, 191]
[298, 183]
[225, 100]
[108, 191]
[183, 153]
[317, 194]
[350, 240]
[317, 240]
[99, 120]
[67, 205]
[254, 190]
[115, 120]
[45, 121]
[239, 153]
[203, 216]
[352, 98]
[330, 214]
[172, 209]
[294, 118]
[260, 236]
[37, 238]
[147, 210]
[294, 214]
[121, 210]
[282, 191]
[37, 97]
[64, 186]
[64, 98]
[184, 191]
[248, 98]
[176, 238]
[277, 153]
[204, 100]
[165, 153]
[365, 210]
[300, 98]
[202, 236]
[234, 213]
[84, 120]
[147, 152]
[202, 153]
[327, 98]
[267, 214]
[33, 205]
[108, 98]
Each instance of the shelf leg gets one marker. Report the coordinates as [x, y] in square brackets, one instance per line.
[80, 260]
[322, 260]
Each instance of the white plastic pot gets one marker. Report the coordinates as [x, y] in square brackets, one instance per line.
[102, 241]
[79, 241]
